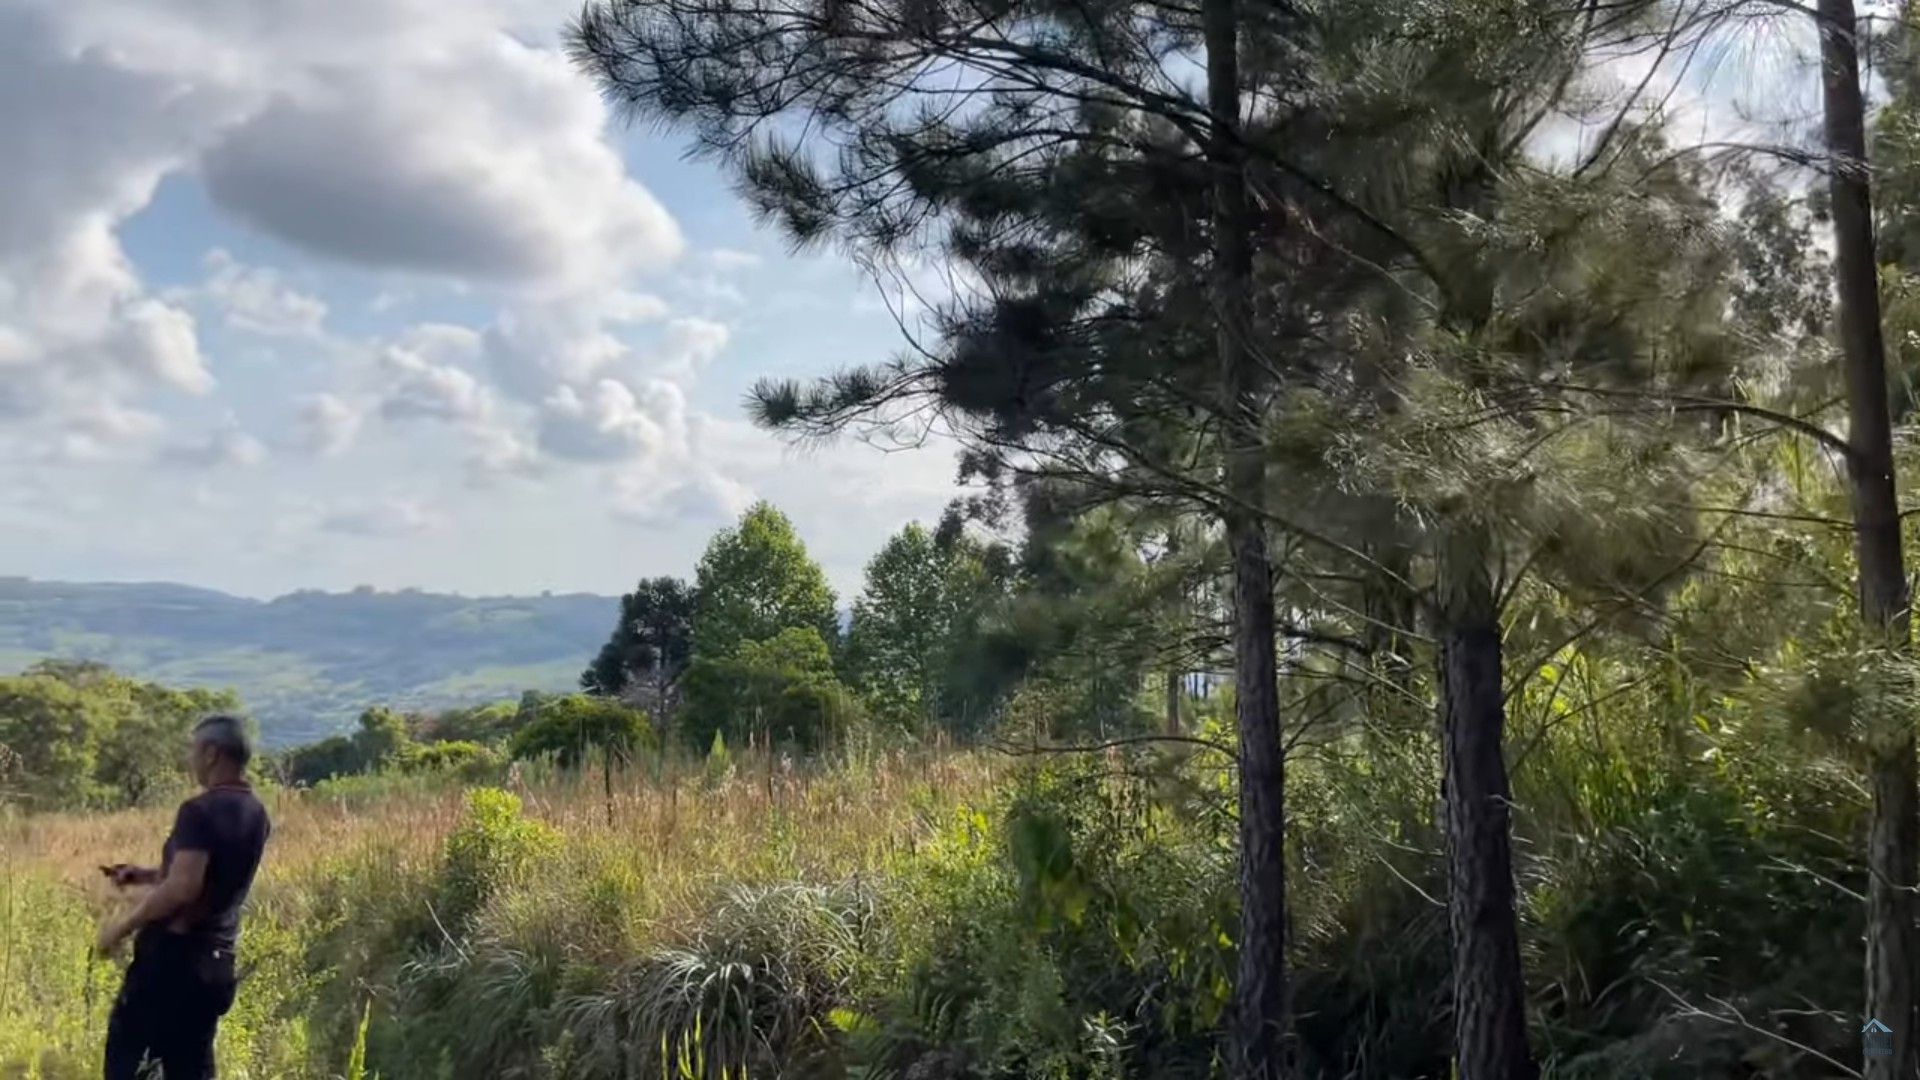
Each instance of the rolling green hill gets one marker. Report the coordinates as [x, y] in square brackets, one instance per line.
[308, 662]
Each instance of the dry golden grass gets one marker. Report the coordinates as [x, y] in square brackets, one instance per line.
[630, 870]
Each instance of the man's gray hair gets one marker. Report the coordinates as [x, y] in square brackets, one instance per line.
[227, 734]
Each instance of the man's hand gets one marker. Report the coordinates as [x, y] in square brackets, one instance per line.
[112, 933]
[186, 877]
[123, 875]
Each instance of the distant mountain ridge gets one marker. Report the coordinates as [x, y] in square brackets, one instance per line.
[308, 662]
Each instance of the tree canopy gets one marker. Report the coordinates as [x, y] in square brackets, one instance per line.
[755, 580]
[651, 643]
[78, 735]
[573, 729]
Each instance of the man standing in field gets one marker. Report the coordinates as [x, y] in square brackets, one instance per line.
[182, 979]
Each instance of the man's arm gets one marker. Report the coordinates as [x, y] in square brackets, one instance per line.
[185, 879]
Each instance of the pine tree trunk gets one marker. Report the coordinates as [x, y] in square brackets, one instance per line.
[1175, 691]
[1261, 1008]
[1895, 827]
[1489, 994]
[1262, 1023]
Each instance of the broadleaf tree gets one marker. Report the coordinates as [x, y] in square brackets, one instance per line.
[922, 599]
[779, 691]
[755, 580]
[573, 728]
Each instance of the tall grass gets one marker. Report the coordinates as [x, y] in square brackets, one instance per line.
[351, 910]
[938, 916]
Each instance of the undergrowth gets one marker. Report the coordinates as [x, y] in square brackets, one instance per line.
[928, 916]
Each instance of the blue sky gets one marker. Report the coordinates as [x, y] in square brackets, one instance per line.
[320, 293]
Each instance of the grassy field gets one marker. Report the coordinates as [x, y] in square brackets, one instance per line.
[937, 915]
[367, 884]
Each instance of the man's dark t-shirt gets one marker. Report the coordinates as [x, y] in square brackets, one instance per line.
[230, 825]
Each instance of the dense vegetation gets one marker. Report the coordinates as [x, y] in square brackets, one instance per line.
[943, 916]
[74, 734]
[1543, 509]
[1005, 912]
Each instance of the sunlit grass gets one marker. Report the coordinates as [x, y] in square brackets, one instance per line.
[349, 871]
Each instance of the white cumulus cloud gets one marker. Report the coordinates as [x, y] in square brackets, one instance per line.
[407, 159]
[608, 421]
[403, 135]
[254, 298]
[485, 162]
[424, 389]
[688, 345]
[705, 499]
[328, 425]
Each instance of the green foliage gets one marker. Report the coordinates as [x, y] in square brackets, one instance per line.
[79, 735]
[381, 737]
[783, 689]
[1026, 930]
[756, 580]
[914, 628]
[493, 847]
[750, 993]
[357, 1064]
[651, 644]
[571, 729]
[51, 729]
[488, 725]
[467, 741]
[472, 761]
[1074, 920]
[719, 763]
[338, 755]
[900, 622]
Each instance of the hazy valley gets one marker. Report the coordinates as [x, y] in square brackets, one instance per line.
[307, 663]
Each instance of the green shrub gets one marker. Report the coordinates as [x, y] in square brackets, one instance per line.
[1079, 929]
[494, 845]
[782, 689]
[569, 730]
[470, 761]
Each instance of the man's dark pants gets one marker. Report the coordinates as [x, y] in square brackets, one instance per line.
[163, 1023]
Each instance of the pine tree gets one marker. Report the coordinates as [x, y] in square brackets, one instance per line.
[1032, 169]
[650, 645]
[1894, 833]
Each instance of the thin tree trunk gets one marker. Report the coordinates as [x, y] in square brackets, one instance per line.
[1895, 827]
[606, 781]
[1175, 692]
[1489, 994]
[1262, 1023]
